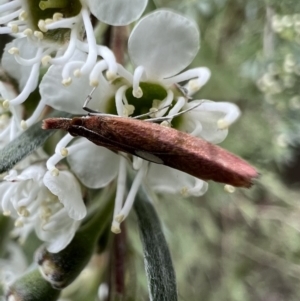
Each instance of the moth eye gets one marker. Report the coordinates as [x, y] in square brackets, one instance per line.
[77, 121]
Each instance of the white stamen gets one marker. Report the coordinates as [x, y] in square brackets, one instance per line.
[197, 128]
[29, 87]
[121, 186]
[137, 162]
[97, 73]
[14, 27]
[63, 143]
[231, 111]
[199, 189]
[23, 16]
[30, 62]
[22, 211]
[69, 52]
[115, 227]
[28, 32]
[52, 161]
[139, 73]
[38, 34]
[202, 74]
[124, 73]
[9, 17]
[92, 53]
[24, 125]
[63, 23]
[229, 188]
[132, 193]
[5, 30]
[165, 104]
[36, 114]
[69, 68]
[42, 26]
[57, 16]
[110, 59]
[178, 106]
[46, 60]
[54, 172]
[67, 81]
[12, 5]
[119, 99]
[14, 51]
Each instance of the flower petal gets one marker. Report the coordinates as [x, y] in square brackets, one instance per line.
[19, 72]
[67, 189]
[168, 180]
[117, 12]
[163, 43]
[94, 165]
[208, 114]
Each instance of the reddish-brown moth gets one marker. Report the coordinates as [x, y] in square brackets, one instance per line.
[159, 144]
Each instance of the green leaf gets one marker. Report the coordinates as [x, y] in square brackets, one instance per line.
[157, 258]
[26, 143]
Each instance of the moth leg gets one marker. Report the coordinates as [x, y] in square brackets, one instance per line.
[149, 113]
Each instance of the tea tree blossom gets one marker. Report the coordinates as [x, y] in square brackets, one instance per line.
[60, 33]
[51, 205]
[133, 94]
[58, 40]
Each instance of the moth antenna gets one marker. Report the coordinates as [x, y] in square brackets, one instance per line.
[87, 100]
[175, 115]
[147, 114]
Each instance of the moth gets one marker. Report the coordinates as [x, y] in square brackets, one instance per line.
[161, 145]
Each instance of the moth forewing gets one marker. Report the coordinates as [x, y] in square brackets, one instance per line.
[160, 144]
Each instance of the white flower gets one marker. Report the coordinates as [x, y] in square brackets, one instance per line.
[117, 12]
[159, 58]
[13, 265]
[51, 205]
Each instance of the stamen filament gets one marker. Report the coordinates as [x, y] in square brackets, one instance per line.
[9, 6]
[121, 186]
[165, 103]
[36, 114]
[119, 99]
[92, 53]
[132, 193]
[63, 23]
[7, 18]
[53, 4]
[68, 53]
[97, 73]
[29, 87]
[63, 143]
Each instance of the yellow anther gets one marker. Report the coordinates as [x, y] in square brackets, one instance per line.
[23, 15]
[138, 93]
[14, 51]
[38, 34]
[64, 152]
[46, 60]
[24, 125]
[222, 124]
[110, 75]
[5, 104]
[57, 16]
[54, 172]
[42, 26]
[119, 218]
[229, 188]
[28, 32]
[67, 81]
